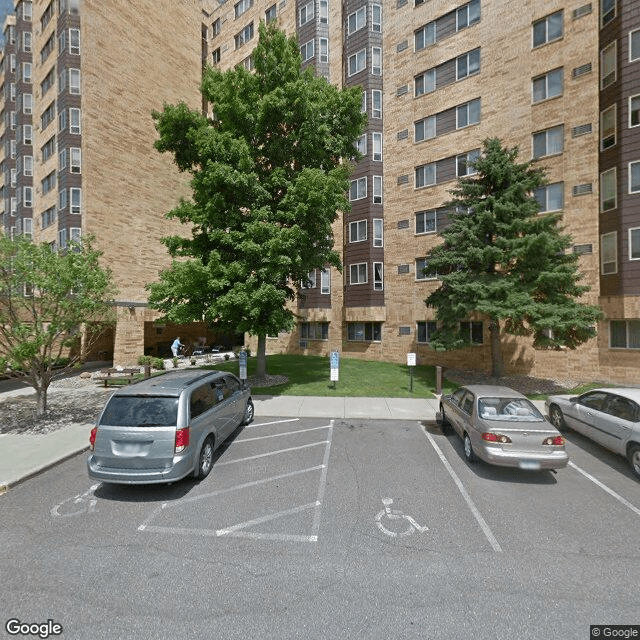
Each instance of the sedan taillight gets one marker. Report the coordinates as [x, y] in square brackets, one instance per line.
[182, 439]
[554, 440]
[92, 438]
[495, 437]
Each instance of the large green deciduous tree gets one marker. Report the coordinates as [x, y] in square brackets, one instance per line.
[269, 173]
[504, 259]
[47, 298]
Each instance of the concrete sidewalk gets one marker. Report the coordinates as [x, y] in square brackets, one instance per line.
[23, 456]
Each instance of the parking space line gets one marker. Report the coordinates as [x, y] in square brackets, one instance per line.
[467, 498]
[278, 435]
[272, 453]
[267, 518]
[323, 482]
[604, 487]
[263, 424]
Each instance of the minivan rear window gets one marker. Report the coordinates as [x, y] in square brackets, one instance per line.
[140, 411]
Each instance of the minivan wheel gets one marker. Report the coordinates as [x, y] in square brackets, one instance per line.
[248, 413]
[205, 460]
[468, 449]
[634, 459]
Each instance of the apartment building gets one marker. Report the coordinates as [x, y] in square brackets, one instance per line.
[560, 80]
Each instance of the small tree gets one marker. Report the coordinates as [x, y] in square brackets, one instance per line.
[503, 259]
[46, 298]
[270, 173]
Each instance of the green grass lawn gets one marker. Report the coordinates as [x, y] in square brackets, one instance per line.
[309, 376]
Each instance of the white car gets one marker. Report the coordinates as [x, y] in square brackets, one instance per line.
[610, 417]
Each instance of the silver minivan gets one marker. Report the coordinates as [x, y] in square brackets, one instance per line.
[167, 427]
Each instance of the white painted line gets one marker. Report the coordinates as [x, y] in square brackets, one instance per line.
[263, 424]
[323, 483]
[267, 518]
[283, 537]
[272, 453]
[277, 435]
[603, 486]
[467, 498]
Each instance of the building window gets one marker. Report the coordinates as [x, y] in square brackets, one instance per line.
[548, 29]
[548, 85]
[634, 243]
[468, 114]
[75, 198]
[608, 127]
[62, 199]
[27, 165]
[74, 121]
[550, 197]
[426, 175]
[425, 129]
[467, 15]
[425, 82]
[358, 231]
[634, 45]
[75, 160]
[48, 148]
[357, 20]
[27, 11]
[472, 332]
[46, 16]
[425, 330]
[634, 111]
[607, 11]
[310, 282]
[26, 72]
[74, 81]
[62, 159]
[358, 273]
[27, 197]
[217, 25]
[27, 134]
[364, 331]
[48, 81]
[361, 144]
[240, 7]
[378, 231]
[634, 177]
[377, 189]
[608, 71]
[423, 271]
[62, 81]
[376, 18]
[314, 330]
[468, 64]
[358, 189]
[324, 11]
[357, 62]
[608, 190]
[464, 163]
[215, 56]
[377, 147]
[48, 182]
[26, 41]
[325, 281]
[324, 49]
[62, 239]
[378, 270]
[624, 334]
[306, 13]
[426, 222]
[307, 51]
[376, 61]
[62, 42]
[424, 36]
[48, 217]
[609, 253]
[244, 36]
[376, 103]
[74, 41]
[549, 142]
[27, 103]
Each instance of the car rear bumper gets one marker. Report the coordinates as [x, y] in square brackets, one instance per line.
[523, 459]
[181, 468]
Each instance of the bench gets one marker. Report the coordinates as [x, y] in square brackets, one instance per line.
[111, 375]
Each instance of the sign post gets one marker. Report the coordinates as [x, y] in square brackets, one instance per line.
[334, 363]
[411, 362]
[242, 362]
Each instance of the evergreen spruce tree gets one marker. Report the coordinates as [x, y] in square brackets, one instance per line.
[505, 260]
[270, 172]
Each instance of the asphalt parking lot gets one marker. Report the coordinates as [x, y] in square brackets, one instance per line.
[330, 528]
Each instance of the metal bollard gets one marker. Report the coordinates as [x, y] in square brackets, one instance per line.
[438, 379]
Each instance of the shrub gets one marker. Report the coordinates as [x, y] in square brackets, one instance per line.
[142, 360]
[157, 363]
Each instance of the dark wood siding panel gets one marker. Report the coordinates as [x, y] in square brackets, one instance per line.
[445, 73]
[446, 26]
[446, 169]
[446, 121]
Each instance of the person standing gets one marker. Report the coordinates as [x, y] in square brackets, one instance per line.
[175, 347]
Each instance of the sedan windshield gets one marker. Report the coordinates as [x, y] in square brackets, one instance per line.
[140, 411]
[508, 409]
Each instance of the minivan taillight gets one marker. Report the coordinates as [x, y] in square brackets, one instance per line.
[182, 439]
[92, 438]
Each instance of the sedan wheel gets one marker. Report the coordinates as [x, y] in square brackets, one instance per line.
[248, 413]
[634, 459]
[468, 449]
[205, 460]
[556, 417]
